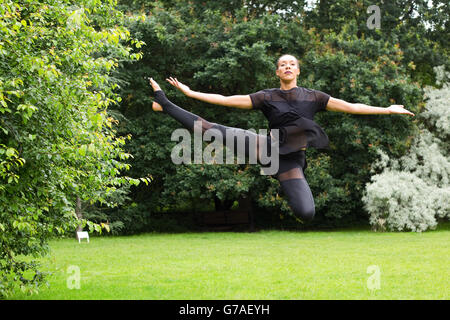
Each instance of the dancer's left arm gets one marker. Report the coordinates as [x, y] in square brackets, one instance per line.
[359, 108]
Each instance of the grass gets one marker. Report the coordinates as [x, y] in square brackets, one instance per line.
[264, 265]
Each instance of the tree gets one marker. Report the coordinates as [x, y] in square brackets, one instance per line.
[418, 27]
[57, 140]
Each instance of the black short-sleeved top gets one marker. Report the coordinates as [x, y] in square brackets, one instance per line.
[292, 111]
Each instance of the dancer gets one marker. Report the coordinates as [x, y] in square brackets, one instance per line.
[291, 110]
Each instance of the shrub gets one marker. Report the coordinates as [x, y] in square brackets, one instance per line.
[412, 192]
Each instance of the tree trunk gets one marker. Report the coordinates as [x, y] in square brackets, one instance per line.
[79, 214]
[246, 204]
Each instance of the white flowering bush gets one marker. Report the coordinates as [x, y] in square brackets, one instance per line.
[412, 193]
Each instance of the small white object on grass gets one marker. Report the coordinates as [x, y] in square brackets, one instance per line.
[82, 235]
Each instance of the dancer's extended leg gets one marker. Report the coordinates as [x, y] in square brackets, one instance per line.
[188, 119]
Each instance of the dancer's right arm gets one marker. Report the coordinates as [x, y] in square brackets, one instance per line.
[236, 101]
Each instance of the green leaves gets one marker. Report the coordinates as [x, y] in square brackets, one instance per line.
[26, 111]
[56, 64]
[10, 152]
[82, 150]
[76, 19]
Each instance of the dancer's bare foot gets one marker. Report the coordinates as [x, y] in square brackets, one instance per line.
[155, 106]
[154, 85]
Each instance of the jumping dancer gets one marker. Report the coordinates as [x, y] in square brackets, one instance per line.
[291, 110]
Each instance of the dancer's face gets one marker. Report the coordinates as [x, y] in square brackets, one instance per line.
[288, 68]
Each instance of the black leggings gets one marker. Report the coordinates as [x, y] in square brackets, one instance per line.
[291, 166]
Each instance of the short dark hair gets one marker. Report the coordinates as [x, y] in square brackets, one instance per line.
[287, 54]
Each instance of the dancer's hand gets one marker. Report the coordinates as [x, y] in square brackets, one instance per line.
[399, 109]
[177, 84]
[155, 106]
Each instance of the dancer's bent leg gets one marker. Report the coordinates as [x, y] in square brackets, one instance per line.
[296, 189]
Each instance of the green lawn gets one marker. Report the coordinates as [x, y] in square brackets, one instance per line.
[262, 265]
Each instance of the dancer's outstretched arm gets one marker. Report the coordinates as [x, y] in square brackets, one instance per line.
[236, 101]
[359, 108]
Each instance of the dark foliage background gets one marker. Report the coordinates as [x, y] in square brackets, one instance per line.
[230, 47]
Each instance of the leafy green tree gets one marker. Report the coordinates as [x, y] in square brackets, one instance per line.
[418, 27]
[57, 141]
